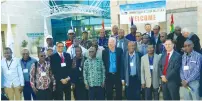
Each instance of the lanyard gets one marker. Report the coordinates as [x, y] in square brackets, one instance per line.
[9, 64]
[24, 63]
[187, 59]
[131, 58]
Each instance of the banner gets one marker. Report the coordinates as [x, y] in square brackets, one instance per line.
[147, 12]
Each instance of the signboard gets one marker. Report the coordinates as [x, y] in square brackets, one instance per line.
[35, 35]
[146, 12]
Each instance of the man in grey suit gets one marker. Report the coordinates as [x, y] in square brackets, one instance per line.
[169, 68]
[150, 73]
[122, 42]
[132, 72]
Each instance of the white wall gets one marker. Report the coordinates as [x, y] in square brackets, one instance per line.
[24, 14]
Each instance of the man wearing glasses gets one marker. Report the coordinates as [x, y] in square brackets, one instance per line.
[61, 63]
[139, 41]
[160, 48]
[26, 63]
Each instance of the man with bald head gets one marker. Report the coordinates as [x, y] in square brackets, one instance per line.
[160, 47]
[169, 68]
[26, 63]
[102, 40]
[132, 74]
[113, 62]
[193, 37]
[178, 39]
[122, 42]
[190, 71]
[115, 31]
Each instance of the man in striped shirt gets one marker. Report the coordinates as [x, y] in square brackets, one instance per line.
[190, 71]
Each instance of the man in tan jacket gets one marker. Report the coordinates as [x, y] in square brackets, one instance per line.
[149, 73]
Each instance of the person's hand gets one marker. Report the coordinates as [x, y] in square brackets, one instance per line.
[73, 86]
[123, 83]
[64, 81]
[21, 89]
[35, 90]
[87, 87]
[164, 79]
[184, 83]
[67, 79]
[143, 85]
[103, 85]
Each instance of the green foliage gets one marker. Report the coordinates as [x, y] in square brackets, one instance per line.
[24, 43]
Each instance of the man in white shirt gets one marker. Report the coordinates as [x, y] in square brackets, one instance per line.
[12, 76]
[71, 49]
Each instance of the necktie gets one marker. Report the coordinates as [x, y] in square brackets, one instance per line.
[62, 58]
[166, 64]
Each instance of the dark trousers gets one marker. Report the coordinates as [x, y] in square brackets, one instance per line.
[96, 93]
[200, 82]
[171, 91]
[80, 92]
[28, 93]
[111, 81]
[44, 94]
[133, 89]
[63, 88]
[149, 91]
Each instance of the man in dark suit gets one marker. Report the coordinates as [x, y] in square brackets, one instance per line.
[112, 58]
[60, 63]
[169, 68]
[132, 72]
[193, 37]
[178, 39]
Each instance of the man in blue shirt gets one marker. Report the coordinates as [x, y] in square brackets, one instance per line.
[132, 36]
[113, 62]
[190, 71]
[26, 63]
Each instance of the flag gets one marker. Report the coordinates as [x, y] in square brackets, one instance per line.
[103, 25]
[9, 38]
[172, 24]
[131, 19]
[45, 32]
[72, 26]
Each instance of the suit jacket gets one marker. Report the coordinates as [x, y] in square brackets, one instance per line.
[173, 70]
[196, 41]
[180, 42]
[146, 77]
[151, 39]
[58, 71]
[127, 66]
[125, 45]
[119, 61]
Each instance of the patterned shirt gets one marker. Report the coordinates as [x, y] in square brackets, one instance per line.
[86, 44]
[94, 72]
[194, 62]
[42, 81]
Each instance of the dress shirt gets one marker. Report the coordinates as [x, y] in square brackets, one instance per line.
[131, 37]
[112, 61]
[133, 61]
[194, 62]
[11, 72]
[171, 53]
[94, 72]
[120, 43]
[42, 82]
[149, 33]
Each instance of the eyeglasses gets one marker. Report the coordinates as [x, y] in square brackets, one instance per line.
[187, 45]
[137, 36]
[162, 36]
[25, 53]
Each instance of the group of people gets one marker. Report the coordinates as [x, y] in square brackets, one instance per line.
[137, 66]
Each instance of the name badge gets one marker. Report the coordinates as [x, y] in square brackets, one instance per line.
[80, 68]
[43, 73]
[25, 70]
[63, 64]
[131, 64]
[9, 72]
[151, 67]
[186, 67]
